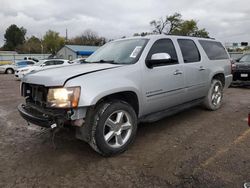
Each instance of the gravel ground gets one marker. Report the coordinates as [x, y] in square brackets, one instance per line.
[196, 148]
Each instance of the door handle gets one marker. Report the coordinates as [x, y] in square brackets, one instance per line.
[177, 72]
[201, 68]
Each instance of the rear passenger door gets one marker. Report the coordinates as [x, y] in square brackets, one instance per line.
[196, 73]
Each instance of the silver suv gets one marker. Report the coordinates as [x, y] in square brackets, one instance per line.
[127, 81]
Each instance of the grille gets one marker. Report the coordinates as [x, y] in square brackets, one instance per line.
[35, 94]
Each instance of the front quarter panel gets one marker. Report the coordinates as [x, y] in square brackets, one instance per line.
[95, 86]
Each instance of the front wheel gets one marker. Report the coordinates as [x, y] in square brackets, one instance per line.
[213, 100]
[114, 127]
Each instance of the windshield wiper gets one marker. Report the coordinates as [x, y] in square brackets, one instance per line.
[105, 61]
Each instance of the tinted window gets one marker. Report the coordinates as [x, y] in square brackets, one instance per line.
[214, 50]
[48, 63]
[189, 51]
[30, 62]
[163, 46]
[59, 62]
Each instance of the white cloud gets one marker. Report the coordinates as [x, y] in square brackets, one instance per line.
[227, 20]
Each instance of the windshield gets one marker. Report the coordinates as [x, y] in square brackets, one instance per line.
[20, 63]
[119, 52]
[245, 59]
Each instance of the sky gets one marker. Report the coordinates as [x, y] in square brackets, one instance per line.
[225, 20]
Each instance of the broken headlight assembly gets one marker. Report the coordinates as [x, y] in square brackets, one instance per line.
[63, 97]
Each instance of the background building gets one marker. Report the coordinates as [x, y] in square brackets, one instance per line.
[8, 57]
[71, 52]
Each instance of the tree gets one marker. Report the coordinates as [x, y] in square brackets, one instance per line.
[190, 28]
[88, 37]
[52, 41]
[142, 34]
[175, 25]
[31, 45]
[14, 36]
[167, 25]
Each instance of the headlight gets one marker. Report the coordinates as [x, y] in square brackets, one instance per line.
[63, 97]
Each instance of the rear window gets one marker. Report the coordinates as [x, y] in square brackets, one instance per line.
[214, 50]
[189, 51]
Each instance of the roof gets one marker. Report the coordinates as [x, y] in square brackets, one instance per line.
[80, 48]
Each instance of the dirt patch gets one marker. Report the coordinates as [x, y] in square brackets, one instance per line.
[196, 148]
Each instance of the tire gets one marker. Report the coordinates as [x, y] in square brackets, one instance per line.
[114, 127]
[213, 100]
[9, 71]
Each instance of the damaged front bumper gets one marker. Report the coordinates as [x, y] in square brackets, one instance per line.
[48, 117]
[39, 117]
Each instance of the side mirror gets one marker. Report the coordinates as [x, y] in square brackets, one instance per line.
[42, 65]
[158, 59]
[161, 56]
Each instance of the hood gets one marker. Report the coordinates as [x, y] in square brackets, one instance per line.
[242, 66]
[58, 76]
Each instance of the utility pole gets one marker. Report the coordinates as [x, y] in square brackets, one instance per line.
[66, 38]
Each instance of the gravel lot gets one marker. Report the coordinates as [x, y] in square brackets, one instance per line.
[196, 148]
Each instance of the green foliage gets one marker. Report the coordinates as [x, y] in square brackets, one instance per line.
[175, 25]
[53, 42]
[31, 45]
[14, 36]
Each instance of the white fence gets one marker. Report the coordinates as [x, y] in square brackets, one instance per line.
[14, 57]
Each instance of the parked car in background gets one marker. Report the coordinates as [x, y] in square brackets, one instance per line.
[79, 60]
[10, 68]
[31, 58]
[42, 64]
[241, 70]
[139, 79]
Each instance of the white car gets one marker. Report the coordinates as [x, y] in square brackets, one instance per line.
[10, 68]
[43, 64]
[80, 60]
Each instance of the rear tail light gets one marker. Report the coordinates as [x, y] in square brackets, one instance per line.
[233, 66]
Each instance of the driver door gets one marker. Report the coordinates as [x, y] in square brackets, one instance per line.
[163, 84]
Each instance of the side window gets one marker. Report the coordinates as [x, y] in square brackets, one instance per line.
[189, 51]
[30, 63]
[48, 63]
[59, 62]
[214, 50]
[163, 46]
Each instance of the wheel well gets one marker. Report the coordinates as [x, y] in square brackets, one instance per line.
[9, 69]
[220, 77]
[128, 96]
